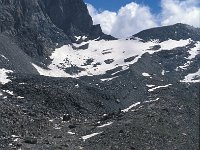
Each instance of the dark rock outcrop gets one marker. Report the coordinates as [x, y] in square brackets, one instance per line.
[69, 15]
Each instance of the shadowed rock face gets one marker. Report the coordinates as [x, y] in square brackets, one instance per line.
[68, 15]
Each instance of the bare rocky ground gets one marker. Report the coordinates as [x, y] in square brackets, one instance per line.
[53, 113]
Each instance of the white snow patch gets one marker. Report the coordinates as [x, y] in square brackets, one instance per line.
[77, 38]
[72, 133]
[84, 37]
[194, 51]
[130, 107]
[146, 74]
[57, 127]
[4, 76]
[115, 73]
[9, 92]
[163, 72]
[14, 136]
[184, 134]
[20, 97]
[191, 77]
[109, 79]
[4, 57]
[22, 83]
[150, 85]
[158, 87]
[104, 125]
[171, 44]
[17, 139]
[184, 67]
[152, 100]
[77, 85]
[90, 135]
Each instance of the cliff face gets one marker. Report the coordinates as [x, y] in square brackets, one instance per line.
[68, 15]
[71, 16]
[37, 25]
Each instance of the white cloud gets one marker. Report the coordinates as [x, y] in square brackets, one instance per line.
[129, 19]
[106, 18]
[133, 17]
[177, 11]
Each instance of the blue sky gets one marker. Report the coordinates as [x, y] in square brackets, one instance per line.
[123, 18]
[115, 5]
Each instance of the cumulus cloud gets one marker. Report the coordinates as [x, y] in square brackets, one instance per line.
[129, 19]
[133, 17]
[177, 11]
[106, 18]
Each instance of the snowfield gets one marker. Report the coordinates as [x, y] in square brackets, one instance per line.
[4, 76]
[96, 57]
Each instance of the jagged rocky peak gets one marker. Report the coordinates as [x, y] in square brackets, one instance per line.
[175, 32]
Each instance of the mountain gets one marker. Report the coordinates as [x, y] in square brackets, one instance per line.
[41, 24]
[64, 84]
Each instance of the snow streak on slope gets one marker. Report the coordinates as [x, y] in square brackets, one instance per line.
[97, 57]
[130, 107]
[158, 87]
[4, 57]
[51, 72]
[89, 136]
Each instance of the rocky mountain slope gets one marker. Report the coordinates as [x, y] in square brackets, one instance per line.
[64, 84]
[41, 24]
